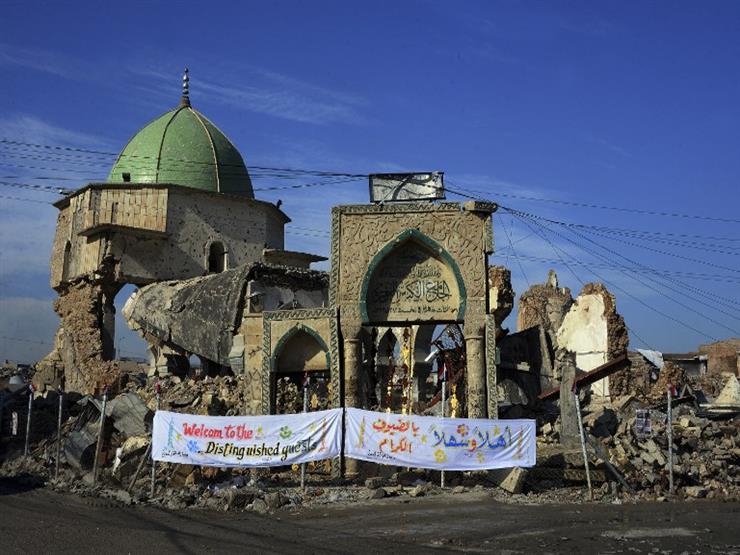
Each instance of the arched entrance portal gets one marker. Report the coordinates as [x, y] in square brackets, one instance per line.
[301, 367]
[414, 264]
[413, 286]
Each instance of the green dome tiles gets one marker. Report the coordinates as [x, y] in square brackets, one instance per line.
[183, 147]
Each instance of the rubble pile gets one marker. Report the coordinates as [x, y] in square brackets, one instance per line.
[706, 456]
[214, 396]
[670, 374]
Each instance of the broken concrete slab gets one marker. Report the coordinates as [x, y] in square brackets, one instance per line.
[130, 415]
[509, 479]
[199, 314]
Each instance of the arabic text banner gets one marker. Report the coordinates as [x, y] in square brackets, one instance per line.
[273, 440]
[439, 443]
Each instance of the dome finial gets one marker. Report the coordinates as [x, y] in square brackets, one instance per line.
[185, 100]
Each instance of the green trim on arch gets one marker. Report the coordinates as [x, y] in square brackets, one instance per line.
[436, 250]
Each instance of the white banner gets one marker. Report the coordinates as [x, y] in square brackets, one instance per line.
[272, 440]
[439, 443]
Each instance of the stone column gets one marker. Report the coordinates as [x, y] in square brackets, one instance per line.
[566, 366]
[352, 366]
[476, 376]
[491, 366]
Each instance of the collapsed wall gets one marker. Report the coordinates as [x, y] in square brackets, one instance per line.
[218, 317]
[82, 343]
[197, 316]
[500, 296]
[541, 311]
[549, 319]
[544, 305]
[594, 331]
[723, 356]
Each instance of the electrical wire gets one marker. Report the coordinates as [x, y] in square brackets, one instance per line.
[681, 322]
[616, 208]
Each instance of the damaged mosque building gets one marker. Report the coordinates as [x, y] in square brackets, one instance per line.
[409, 291]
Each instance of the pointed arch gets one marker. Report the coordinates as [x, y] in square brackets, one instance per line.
[283, 341]
[428, 244]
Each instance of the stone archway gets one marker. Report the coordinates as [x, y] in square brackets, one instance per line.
[300, 353]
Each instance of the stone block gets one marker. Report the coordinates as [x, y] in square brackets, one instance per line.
[375, 482]
[509, 479]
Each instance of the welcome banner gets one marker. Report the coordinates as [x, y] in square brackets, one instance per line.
[439, 443]
[246, 441]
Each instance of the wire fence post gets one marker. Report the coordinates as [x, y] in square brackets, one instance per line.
[99, 446]
[60, 393]
[306, 383]
[144, 457]
[157, 389]
[669, 425]
[444, 413]
[31, 390]
[583, 443]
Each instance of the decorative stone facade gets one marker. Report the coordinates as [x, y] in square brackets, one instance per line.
[414, 263]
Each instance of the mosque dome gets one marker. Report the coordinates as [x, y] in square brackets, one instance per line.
[183, 147]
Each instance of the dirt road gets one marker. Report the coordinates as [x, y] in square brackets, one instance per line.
[41, 521]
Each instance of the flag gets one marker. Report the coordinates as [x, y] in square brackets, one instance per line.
[442, 372]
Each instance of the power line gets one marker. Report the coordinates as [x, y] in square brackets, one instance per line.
[701, 292]
[32, 186]
[606, 207]
[284, 172]
[322, 231]
[698, 261]
[578, 278]
[321, 173]
[643, 268]
[648, 286]
[614, 285]
[688, 275]
[305, 185]
[511, 245]
[639, 300]
[6, 197]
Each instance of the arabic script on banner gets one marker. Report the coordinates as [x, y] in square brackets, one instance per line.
[247, 441]
[439, 443]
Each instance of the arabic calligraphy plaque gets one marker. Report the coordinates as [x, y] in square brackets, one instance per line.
[412, 285]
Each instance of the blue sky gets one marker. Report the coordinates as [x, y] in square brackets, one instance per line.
[622, 104]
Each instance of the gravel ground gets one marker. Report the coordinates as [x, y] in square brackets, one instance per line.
[42, 521]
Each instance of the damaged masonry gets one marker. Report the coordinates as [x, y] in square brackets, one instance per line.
[409, 296]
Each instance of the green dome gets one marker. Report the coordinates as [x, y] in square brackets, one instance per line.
[183, 147]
